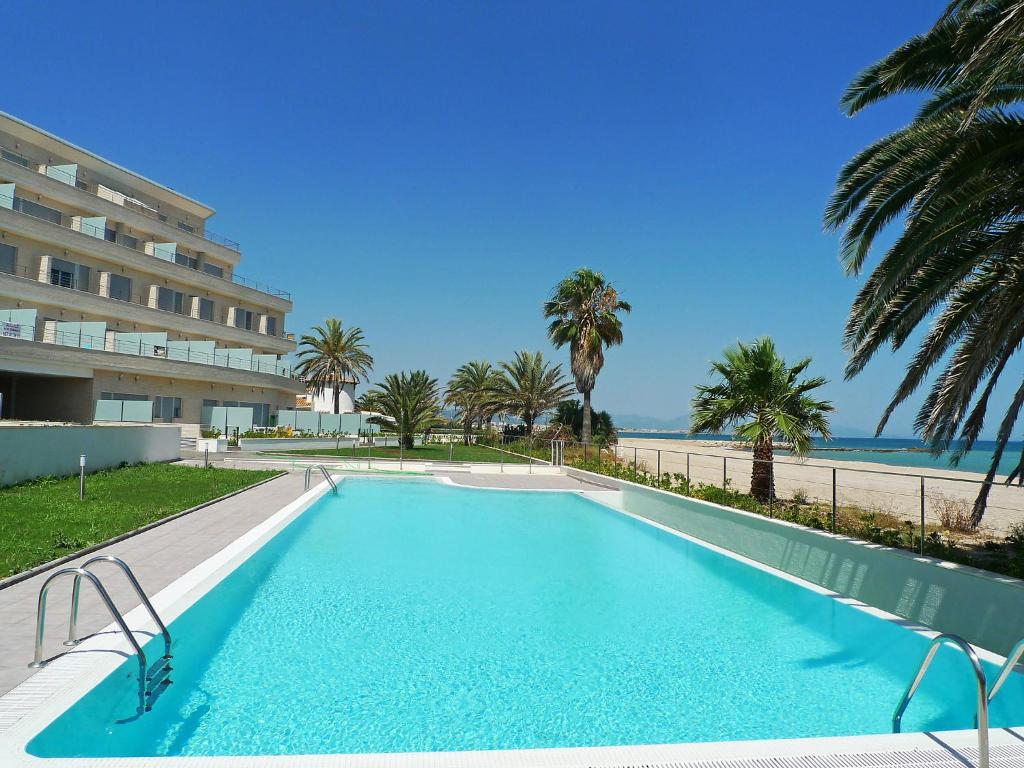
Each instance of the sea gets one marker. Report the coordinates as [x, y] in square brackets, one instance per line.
[881, 450]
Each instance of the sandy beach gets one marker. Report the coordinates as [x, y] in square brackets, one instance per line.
[882, 487]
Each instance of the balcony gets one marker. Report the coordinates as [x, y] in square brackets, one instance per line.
[60, 173]
[94, 337]
[136, 306]
[83, 226]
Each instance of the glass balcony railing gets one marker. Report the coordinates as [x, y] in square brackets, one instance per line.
[55, 172]
[80, 224]
[221, 358]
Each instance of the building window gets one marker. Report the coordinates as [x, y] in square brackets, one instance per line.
[170, 301]
[121, 396]
[186, 227]
[243, 318]
[69, 275]
[37, 211]
[8, 258]
[120, 287]
[260, 413]
[186, 261]
[166, 408]
[110, 235]
[14, 158]
[213, 269]
[205, 309]
[128, 240]
[271, 326]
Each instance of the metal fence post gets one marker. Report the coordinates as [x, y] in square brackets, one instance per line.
[529, 453]
[585, 452]
[634, 464]
[833, 499]
[659, 466]
[687, 468]
[922, 514]
[401, 449]
[725, 460]
[771, 488]
[451, 448]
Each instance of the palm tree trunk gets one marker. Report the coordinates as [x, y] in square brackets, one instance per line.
[467, 431]
[586, 417]
[337, 397]
[762, 478]
[408, 441]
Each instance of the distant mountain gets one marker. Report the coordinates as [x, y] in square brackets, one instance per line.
[628, 421]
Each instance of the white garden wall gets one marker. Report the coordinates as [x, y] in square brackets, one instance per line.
[28, 452]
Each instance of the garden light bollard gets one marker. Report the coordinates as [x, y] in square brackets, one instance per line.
[81, 477]
[833, 499]
[922, 515]
[451, 447]
[206, 457]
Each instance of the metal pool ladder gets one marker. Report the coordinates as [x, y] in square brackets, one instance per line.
[326, 474]
[151, 682]
[979, 674]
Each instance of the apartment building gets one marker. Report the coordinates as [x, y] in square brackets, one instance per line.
[117, 303]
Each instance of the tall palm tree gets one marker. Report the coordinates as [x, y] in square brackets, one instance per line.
[583, 312]
[471, 390]
[762, 399]
[407, 402]
[955, 176]
[331, 357]
[528, 386]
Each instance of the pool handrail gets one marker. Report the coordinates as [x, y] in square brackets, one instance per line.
[37, 660]
[1008, 666]
[326, 474]
[139, 592]
[979, 674]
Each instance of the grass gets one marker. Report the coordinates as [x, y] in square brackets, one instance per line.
[429, 452]
[43, 519]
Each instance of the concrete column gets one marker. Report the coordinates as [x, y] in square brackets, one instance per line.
[50, 331]
[231, 316]
[104, 278]
[154, 296]
[45, 263]
[194, 307]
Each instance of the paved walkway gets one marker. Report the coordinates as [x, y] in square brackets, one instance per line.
[157, 556]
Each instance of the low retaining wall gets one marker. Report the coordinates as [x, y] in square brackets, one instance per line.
[984, 608]
[28, 452]
[304, 443]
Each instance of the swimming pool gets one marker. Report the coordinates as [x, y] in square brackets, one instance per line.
[413, 616]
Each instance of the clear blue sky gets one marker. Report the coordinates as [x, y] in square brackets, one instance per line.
[429, 170]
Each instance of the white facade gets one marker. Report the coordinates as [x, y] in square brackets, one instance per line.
[324, 402]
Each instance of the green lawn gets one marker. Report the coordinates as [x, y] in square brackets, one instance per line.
[430, 452]
[43, 519]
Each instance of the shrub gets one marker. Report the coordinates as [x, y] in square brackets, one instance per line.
[954, 514]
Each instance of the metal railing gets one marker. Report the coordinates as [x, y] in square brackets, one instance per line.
[979, 678]
[128, 201]
[148, 683]
[58, 218]
[137, 348]
[326, 474]
[920, 500]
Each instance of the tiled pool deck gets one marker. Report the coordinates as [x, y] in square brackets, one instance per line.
[163, 554]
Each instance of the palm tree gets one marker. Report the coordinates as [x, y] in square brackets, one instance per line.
[407, 403]
[955, 177]
[763, 399]
[569, 419]
[582, 309]
[471, 390]
[528, 387]
[331, 357]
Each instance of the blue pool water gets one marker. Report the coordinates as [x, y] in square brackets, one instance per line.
[408, 616]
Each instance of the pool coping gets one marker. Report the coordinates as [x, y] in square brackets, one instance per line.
[30, 707]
